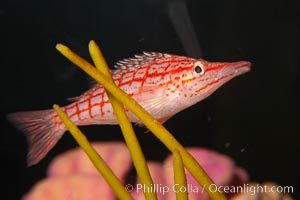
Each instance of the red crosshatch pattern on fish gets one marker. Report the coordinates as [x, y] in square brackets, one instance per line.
[163, 84]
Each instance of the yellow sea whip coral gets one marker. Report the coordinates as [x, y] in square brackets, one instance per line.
[179, 176]
[152, 124]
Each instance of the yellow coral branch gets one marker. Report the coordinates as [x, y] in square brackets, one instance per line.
[153, 125]
[135, 150]
[98, 162]
[179, 177]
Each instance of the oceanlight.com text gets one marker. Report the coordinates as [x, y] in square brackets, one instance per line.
[250, 188]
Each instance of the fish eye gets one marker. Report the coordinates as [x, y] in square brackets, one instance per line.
[199, 68]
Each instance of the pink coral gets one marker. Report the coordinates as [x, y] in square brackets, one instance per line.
[72, 176]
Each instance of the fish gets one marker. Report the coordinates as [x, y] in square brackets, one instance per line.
[163, 84]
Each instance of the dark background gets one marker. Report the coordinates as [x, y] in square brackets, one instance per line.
[254, 118]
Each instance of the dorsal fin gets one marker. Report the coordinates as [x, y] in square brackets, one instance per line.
[140, 60]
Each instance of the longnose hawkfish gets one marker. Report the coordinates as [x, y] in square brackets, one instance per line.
[163, 84]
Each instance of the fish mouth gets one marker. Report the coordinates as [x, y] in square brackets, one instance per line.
[241, 67]
[234, 69]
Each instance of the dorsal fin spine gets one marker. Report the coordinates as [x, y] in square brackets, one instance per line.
[140, 60]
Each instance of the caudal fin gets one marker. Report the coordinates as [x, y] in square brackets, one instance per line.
[41, 131]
